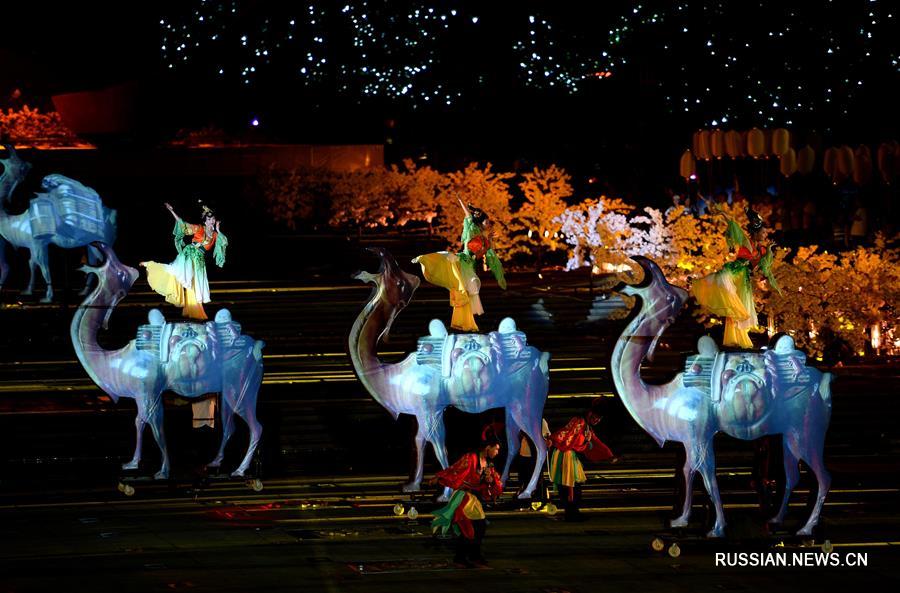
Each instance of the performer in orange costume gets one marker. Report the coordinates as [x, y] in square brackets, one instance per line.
[474, 481]
[566, 469]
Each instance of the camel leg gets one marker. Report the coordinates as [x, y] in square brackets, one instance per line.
[791, 477]
[227, 430]
[708, 472]
[42, 255]
[416, 483]
[814, 459]
[512, 444]
[242, 398]
[155, 420]
[689, 472]
[139, 425]
[438, 438]
[32, 266]
[532, 427]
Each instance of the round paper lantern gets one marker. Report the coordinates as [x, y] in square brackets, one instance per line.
[687, 167]
[756, 143]
[806, 160]
[845, 161]
[734, 144]
[717, 143]
[781, 141]
[788, 164]
[701, 145]
[862, 169]
[885, 160]
[829, 161]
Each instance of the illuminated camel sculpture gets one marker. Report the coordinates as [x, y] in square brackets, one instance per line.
[471, 372]
[744, 394]
[66, 213]
[191, 359]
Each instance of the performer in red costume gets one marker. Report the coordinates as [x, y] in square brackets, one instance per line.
[474, 481]
[566, 469]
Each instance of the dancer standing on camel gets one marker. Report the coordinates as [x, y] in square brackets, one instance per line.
[729, 291]
[184, 282]
[456, 271]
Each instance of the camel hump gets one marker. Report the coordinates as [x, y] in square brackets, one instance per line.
[507, 326]
[437, 329]
[707, 347]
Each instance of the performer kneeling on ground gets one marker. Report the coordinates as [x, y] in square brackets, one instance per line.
[474, 481]
[566, 469]
[183, 282]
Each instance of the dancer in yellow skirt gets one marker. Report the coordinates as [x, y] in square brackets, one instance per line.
[183, 282]
[729, 292]
[456, 272]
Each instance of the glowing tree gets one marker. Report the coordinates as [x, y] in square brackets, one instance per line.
[485, 189]
[536, 224]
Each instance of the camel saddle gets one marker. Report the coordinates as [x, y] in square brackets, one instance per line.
[782, 370]
[497, 349]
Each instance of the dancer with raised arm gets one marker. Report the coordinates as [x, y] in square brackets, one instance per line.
[729, 292]
[456, 271]
[184, 282]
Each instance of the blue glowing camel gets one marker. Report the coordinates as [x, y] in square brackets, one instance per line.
[191, 359]
[471, 372]
[744, 394]
[65, 213]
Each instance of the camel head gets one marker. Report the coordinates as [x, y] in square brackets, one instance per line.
[14, 171]
[394, 288]
[660, 302]
[114, 281]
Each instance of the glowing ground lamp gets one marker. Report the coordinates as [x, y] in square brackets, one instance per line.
[745, 394]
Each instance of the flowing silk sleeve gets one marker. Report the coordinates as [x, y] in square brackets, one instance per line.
[493, 262]
[765, 266]
[181, 229]
[219, 248]
[456, 475]
[735, 236]
[470, 229]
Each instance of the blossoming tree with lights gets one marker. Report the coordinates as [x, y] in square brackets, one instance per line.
[536, 225]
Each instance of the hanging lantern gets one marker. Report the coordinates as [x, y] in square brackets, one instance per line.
[734, 147]
[862, 169]
[717, 143]
[885, 160]
[701, 145]
[788, 164]
[756, 143]
[844, 162]
[806, 160]
[829, 161]
[688, 166]
[781, 141]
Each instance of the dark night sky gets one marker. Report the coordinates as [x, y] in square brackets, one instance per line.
[823, 67]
